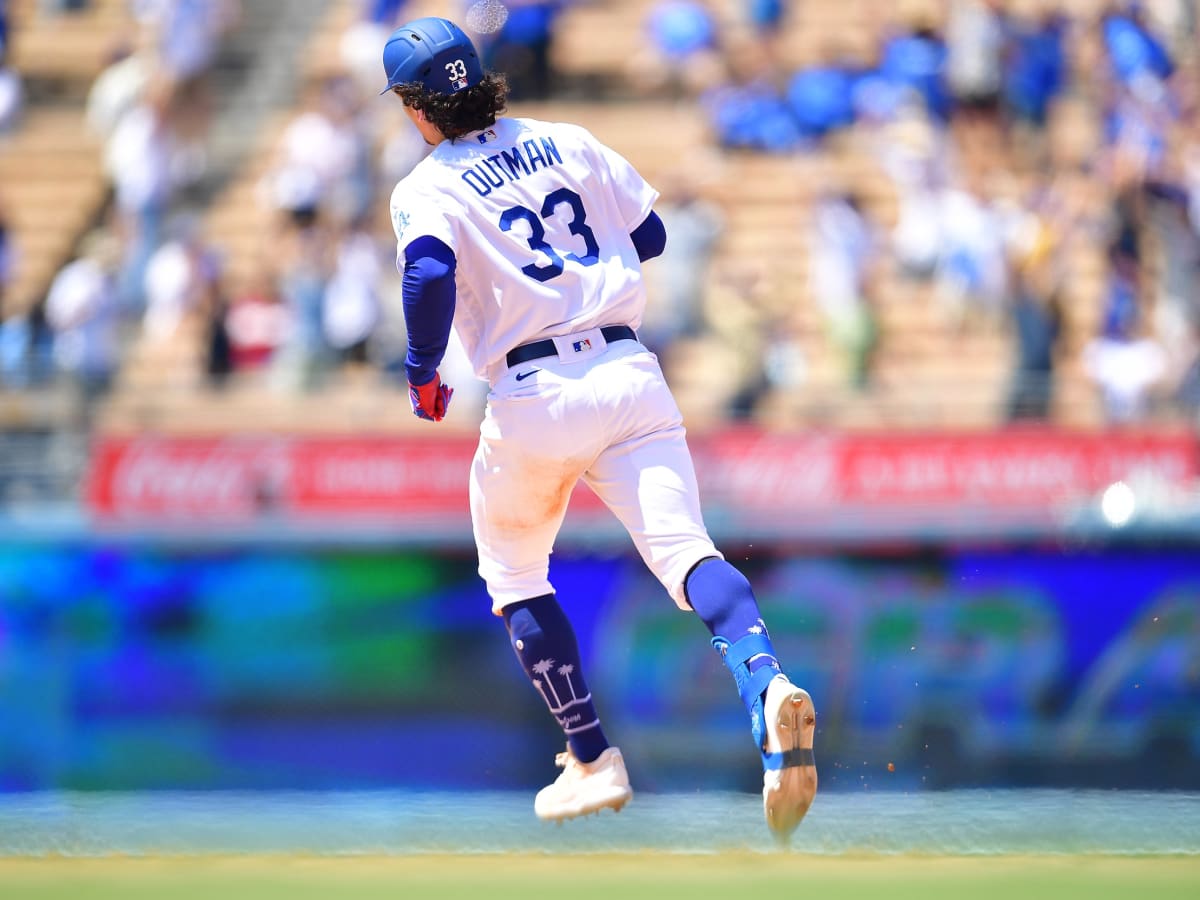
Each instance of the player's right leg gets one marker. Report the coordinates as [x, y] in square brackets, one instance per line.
[782, 718]
[648, 480]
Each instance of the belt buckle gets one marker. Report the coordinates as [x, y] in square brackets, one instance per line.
[580, 346]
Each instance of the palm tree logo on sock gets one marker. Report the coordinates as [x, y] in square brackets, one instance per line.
[566, 670]
[543, 667]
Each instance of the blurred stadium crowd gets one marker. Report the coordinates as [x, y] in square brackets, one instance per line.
[916, 213]
[947, 251]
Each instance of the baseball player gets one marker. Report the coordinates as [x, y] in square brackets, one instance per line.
[528, 238]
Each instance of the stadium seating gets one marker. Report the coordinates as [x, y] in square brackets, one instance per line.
[67, 48]
[927, 373]
[53, 189]
[50, 167]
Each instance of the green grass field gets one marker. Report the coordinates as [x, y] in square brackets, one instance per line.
[624, 876]
[938, 845]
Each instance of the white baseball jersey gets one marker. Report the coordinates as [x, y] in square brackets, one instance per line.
[534, 258]
[539, 217]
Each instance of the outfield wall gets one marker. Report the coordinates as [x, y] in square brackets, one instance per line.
[129, 662]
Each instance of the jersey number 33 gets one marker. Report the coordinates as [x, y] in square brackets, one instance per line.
[577, 225]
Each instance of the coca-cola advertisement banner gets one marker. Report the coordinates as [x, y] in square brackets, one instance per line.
[746, 472]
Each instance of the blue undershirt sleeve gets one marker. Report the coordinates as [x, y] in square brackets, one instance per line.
[427, 290]
[650, 238]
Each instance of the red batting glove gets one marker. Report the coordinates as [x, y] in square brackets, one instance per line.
[430, 400]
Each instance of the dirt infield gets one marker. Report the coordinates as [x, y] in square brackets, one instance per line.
[626, 876]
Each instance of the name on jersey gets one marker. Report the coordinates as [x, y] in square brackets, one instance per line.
[512, 164]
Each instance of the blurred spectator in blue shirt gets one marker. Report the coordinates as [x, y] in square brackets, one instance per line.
[521, 48]
[747, 108]
[680, 28]
[915, 58]
[1034, 66]
[821, 96]
[383, 12]
[766, 16]
[1133, 49]
[752, 116]
[1142, 106]
[680, 55]
[877, 100]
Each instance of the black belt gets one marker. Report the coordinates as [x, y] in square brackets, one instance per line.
[538, 349]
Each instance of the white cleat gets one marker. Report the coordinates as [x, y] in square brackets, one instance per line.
[788, 790]
[584, 788]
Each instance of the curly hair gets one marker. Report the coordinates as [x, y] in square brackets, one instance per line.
[462, 112]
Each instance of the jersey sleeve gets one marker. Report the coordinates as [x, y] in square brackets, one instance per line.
[635, 196]
[415, 214]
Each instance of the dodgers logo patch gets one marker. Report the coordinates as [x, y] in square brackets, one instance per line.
[400, 222]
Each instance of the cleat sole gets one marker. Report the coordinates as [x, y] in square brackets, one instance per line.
[788, 793]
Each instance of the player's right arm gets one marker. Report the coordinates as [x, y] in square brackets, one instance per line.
[427, 265]
[428, 294]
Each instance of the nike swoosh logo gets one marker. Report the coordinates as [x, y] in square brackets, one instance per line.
[525, 375]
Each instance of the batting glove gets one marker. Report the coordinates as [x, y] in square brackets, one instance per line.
[430, 400]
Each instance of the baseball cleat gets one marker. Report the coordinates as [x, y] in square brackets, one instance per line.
[790, 772]
[584, 788]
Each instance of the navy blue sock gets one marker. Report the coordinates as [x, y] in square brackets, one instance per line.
[546, 647]
[725, 602]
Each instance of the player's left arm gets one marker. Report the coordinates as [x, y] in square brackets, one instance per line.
[650, 238]
[634, 196]
[428, 294]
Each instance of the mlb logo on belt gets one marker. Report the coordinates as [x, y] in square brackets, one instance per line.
[580, 346]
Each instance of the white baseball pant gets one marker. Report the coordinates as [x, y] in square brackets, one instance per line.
[607, 416]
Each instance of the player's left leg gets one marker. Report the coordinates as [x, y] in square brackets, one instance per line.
[548, 651]
[524, 470]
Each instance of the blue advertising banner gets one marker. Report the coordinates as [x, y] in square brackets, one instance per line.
[137, 666]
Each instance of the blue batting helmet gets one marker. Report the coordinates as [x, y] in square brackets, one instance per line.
[432, 51]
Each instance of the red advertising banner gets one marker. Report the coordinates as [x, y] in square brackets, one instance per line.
[243, 477]
[1016, 468]
[158, 478]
